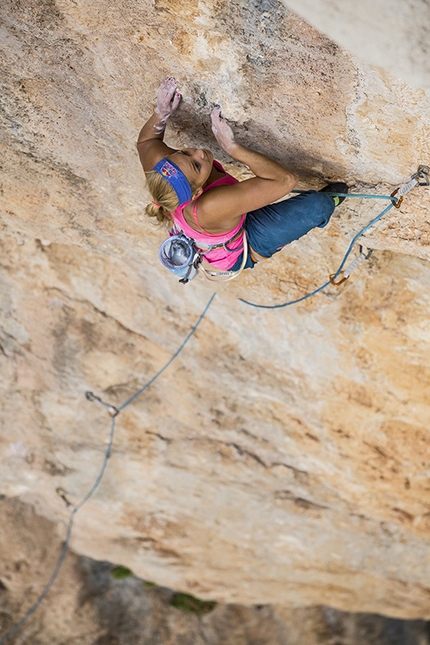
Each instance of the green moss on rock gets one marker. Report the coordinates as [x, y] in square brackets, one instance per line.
[120, 572]
[189, 603]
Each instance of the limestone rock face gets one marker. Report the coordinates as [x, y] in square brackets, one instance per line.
[393, 35]
[283, 457]
[98, 603]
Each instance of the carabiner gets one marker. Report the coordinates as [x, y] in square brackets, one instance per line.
[341, 281]
[398, 201]
[113, 411]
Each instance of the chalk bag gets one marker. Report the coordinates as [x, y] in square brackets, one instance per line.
[180, 256]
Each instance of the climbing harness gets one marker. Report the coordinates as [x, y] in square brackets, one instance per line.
[225, 276]
[113, 411]
[420, 178]
[183, 256]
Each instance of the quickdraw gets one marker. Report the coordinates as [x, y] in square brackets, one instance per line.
[350, 268]
[420, 178]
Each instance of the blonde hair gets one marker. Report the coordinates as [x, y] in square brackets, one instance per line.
[163, 195]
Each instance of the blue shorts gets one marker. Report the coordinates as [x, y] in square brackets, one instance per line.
[272, 227]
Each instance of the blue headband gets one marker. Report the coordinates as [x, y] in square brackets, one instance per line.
[176, 179]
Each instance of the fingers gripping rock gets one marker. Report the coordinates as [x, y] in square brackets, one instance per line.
[168, 98]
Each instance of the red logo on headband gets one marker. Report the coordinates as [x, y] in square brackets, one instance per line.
[167, 170]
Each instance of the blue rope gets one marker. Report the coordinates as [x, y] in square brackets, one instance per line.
[142, 389]
[363, 230]
[356, 195]
[96, 484]
[342, 264]
[64, 550]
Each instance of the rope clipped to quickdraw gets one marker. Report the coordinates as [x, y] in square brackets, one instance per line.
[350, 268]
[113, 412]
[420, 178]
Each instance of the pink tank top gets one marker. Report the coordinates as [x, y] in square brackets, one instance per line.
[224, 257]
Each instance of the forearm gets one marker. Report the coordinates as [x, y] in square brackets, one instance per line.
[261, 165]
[154, 128]
[168, 100]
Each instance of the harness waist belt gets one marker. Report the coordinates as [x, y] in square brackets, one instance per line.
[206, 248]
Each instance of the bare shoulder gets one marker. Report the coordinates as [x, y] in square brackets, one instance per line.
[214, 212]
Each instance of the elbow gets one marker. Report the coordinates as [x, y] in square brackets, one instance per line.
[293, 180]
[289, 181]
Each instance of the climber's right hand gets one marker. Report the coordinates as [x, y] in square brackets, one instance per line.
[222, 131]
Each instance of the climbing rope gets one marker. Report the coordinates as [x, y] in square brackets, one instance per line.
[356, 195]
[420, 178]
[114, 412]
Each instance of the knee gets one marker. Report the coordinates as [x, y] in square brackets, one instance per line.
[318, 197]
[320, 201]
[319, 206]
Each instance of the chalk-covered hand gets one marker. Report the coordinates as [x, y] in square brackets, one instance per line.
[222, 131]
[168, 98]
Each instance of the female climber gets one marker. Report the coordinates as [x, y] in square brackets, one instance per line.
[193, 193]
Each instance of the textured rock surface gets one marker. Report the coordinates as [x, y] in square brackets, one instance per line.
[284, 457]
[393, 35]
[91, 607]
